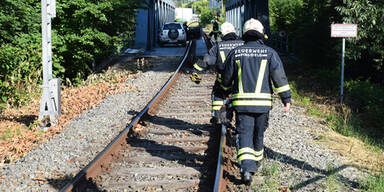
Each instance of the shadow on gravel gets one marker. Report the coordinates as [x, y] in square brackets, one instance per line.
[233, 178]
[176, 124]
[59, 183]
[270, 154]
[188, 158]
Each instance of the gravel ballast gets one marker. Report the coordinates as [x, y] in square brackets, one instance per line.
[305, 165]
[53, 163]
[291, 145]
[295, 160]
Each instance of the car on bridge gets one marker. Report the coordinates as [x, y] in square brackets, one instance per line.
[173, 33]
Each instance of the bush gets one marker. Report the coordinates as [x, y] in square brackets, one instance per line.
[283, 14]
[19, 75]
[206, 16]
[367, 99]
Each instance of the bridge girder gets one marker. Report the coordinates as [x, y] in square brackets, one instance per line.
[239, 11]
[149, 21]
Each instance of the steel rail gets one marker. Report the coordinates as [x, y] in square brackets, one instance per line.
[79, 182]
[219, 185]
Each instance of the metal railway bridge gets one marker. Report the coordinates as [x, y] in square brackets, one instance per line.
[150, 20]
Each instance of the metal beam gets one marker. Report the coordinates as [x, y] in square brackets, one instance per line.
[149, 21]
[239, 11]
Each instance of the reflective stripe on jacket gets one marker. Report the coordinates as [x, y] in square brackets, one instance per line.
[219, 52]
[252, 67]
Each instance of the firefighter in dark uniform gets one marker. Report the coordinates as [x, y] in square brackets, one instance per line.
[249, 70]
[216, 58]
[215, 29]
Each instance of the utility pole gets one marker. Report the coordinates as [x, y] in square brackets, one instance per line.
[50, 106]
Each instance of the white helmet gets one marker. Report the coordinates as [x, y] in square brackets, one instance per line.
[253, 24]
[227, 28]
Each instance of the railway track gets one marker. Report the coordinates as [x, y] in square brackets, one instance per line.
[174, 149]
[170, 145]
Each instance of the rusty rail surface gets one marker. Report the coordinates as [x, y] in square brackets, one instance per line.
[102, 159]
[219, 185]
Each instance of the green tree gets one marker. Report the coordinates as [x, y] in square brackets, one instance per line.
[84, 31]
[87, 31]
[206, 16]
[198, 6]
[368, 47]
[284, 14]
[314, 43]
[20, 43]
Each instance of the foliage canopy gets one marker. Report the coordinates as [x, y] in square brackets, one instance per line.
[84, 33]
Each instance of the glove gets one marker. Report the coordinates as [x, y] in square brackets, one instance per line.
[195, 78]
[222, 115]
[209, 60]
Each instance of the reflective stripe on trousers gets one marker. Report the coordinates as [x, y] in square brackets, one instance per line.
[216, 105]
[248, 153]
[251, 128]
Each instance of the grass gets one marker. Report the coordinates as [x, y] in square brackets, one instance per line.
[355, 127]
[7, 134]
[270, 173]
[331, 182]
[314, 111]
[362, 115]
[342, 120]
[374, 183]
[305, 101]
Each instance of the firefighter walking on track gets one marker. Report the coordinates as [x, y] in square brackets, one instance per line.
[215, 29]
[249, 71]
[216, 58]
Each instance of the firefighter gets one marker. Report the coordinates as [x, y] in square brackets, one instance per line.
[250, 70]
[216, 58]
[215, 31]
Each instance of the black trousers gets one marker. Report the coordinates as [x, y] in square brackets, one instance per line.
[214, 35]
[251, 128]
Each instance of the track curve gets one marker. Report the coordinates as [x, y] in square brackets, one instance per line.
[168, 146]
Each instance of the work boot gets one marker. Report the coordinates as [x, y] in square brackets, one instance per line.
[246, 177]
